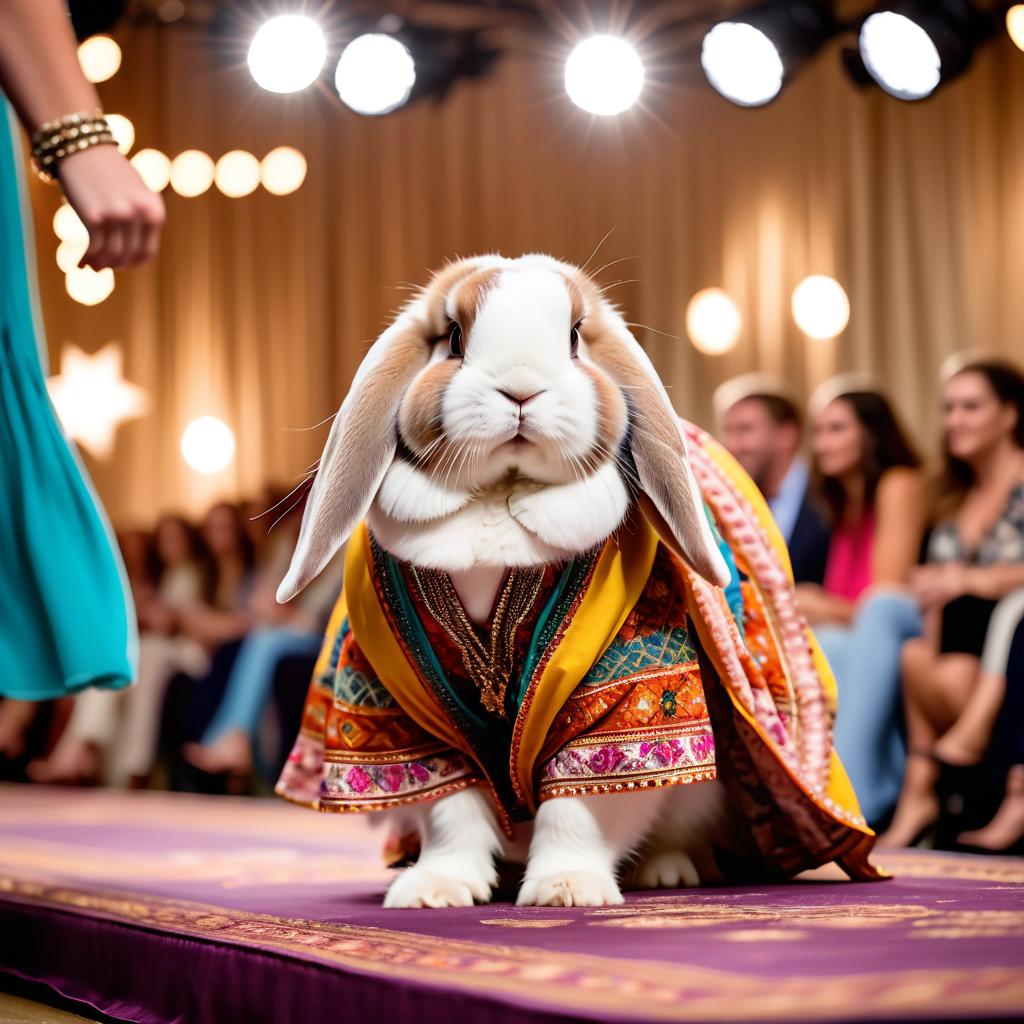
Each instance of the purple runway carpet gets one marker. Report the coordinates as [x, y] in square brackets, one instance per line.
[171, 908]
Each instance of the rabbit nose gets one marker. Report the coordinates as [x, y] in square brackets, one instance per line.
[517, 397]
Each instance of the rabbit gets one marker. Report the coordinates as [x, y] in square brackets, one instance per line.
[508, 418]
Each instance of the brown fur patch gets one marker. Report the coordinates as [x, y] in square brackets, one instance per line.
[467, 297]
[420, 417]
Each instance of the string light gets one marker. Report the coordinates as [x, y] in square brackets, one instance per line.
[100, 58]
[191, 173]
[123, 131]
[87, 286]
[237, 173]
[154, 168]
[68, 226]
[283, 170]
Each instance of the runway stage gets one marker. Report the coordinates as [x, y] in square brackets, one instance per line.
[162, 907]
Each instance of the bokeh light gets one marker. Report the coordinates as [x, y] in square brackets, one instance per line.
[713, 321]
[69, 253]
[283, 170]
[604, 75]
[154, 168]
[191, 173]
[123, 131]
[208, 445]
[68, 226]
[100, 58]
[375, 74]
[1015, 24]
[821, 307]
[287, 53]
[87, 286]
[237, 173]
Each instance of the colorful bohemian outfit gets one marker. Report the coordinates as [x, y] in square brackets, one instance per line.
[66, 621]
[621, 670]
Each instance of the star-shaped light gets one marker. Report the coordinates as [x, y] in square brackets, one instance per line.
[92, 399]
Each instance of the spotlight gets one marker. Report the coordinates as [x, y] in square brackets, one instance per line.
[604, 75]
[713, 321]
[191, 173]
[1015, 25]
[375, 74]
[287, 53]
[821, 307]
[749, 58]
[208, 445]
[912, 47]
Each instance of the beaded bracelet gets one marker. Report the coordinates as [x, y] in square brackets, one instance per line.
[69, 134]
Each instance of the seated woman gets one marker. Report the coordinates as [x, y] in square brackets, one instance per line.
[867, 473]
[975, 557]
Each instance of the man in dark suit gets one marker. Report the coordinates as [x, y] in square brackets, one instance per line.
[762, 427]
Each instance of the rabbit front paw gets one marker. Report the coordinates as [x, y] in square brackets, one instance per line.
[419, 886]
[570, 889]
[664, 869]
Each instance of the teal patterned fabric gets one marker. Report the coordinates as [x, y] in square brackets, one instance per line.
[65, 620]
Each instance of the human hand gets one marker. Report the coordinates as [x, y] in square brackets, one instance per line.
[123, 217]
[937, 585]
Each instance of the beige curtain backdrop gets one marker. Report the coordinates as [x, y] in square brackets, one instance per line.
[258, 309]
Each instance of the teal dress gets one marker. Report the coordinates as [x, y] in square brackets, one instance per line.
[65, 620]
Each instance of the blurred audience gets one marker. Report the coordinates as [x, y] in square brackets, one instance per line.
[954, 677]
[867, 474]
[762, 427]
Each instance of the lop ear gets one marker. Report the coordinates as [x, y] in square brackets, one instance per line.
[670, 497]
[359, 450]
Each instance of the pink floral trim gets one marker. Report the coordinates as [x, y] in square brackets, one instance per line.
[377, 783]
[300, 777]
[631, 761]
[809, 755]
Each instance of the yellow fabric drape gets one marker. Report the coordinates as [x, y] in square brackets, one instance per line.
[258, 308]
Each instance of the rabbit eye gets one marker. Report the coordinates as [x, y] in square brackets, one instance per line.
[455, 340]
[574, 341]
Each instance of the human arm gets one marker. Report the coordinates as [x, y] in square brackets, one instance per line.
[40, 74]
[898, 520]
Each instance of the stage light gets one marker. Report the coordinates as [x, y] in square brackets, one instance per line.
[910, 48]
[191, 173]
[749, 58]
[1015, 25]
[207, 445]
[123, 131]
[375, 74]
[713, 321]
[100, 57]
[87, 286]
[69, 253]
[287, 53]
[68, 226]
[92, 399]
[283, 170]
[821, 307]
[237, 173]
[154, 168]
[900, 55]
[604, 75]
[742, 63]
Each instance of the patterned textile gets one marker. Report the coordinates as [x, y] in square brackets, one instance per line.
[631, 672]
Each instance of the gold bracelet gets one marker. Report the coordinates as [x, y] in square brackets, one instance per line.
[70, 134]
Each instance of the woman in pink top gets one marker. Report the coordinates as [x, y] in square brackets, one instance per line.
[867, 474]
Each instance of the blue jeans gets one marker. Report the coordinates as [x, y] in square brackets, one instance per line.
[252, 677]
[865, 658]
